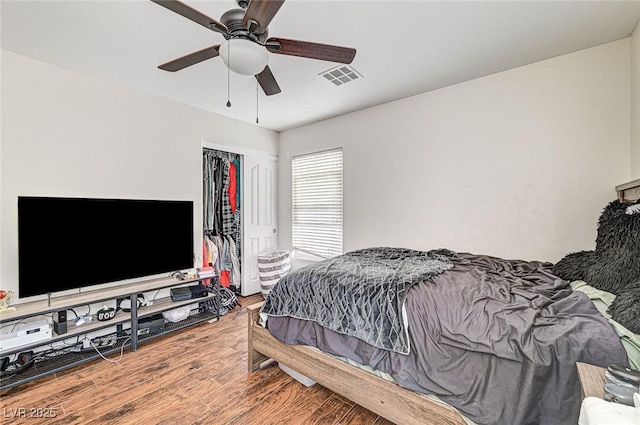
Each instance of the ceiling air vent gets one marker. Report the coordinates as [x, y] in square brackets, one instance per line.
[341, 74]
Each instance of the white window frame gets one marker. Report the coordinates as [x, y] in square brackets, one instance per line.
[317, 202]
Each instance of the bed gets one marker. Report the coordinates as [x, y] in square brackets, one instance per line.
[411, 406]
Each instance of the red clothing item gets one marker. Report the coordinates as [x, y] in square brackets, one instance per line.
[232, 186]
[205, 258]
[224, 278]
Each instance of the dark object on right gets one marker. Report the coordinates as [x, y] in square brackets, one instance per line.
[614, 266]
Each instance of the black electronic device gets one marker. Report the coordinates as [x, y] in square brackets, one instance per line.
[23, 361]
[198, 291]
[60, 322]
[188, 292]
[151, 324]
[106, 313]
[625, 374]
[138, 238]
[180, 294]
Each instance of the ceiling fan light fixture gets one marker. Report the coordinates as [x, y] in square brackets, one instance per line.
[244, 56]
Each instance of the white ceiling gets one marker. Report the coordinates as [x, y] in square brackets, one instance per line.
[403, 47]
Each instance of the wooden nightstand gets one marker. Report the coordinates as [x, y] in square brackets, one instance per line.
[591, 380]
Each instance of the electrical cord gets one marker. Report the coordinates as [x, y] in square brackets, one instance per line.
[64, 343]
[155, 296]
[14, 325]
[178, 275]
[68, 347]
[110, 360]
[54, 352]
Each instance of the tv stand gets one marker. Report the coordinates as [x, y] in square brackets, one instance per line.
[124, 327]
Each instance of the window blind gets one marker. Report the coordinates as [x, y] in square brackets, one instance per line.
[317, 202]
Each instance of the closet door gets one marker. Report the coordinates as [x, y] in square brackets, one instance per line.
[259, 195]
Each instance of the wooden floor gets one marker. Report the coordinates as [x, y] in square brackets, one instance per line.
[194, 376]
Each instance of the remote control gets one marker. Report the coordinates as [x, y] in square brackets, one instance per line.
[625, 373]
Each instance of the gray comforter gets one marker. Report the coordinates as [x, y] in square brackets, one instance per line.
[360, 293]
[497, 339]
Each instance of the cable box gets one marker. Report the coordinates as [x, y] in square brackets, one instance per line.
[151, 324]
[25, 333]
[180, 294]
[188, 292]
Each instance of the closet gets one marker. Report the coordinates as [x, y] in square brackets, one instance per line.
[222, 224]
[239, 214]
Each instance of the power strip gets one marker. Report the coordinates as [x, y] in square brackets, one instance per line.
[95, 343]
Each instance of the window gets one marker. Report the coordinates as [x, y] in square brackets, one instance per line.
[317, 202]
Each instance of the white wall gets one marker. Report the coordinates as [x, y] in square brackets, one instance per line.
[635, 103]
[69, 134]
[517, 164]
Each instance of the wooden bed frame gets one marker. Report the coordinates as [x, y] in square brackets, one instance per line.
[382, 397]
[629, 192]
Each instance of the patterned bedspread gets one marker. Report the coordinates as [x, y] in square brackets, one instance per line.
[497, 339]
[360, 293]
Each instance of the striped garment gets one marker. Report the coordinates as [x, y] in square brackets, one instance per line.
[228, 221]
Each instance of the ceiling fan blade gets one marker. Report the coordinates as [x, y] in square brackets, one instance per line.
[260, 13]
[268, 82]
[307, 49]
[190, 59]
[192, 14]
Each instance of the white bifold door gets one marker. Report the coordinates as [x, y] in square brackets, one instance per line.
[260, 218]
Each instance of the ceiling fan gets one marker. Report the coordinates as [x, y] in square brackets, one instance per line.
[247, 44]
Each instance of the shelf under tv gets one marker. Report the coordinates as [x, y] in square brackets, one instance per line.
[126, 324]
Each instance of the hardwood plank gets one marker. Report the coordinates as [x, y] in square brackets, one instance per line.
[192, 413]
[290, 404]
[246, 393]
[22, 394]
[358, 415]
[160, 370]
[194, 386]
[329, 413]
[164, 371]
[382, 421]
[126, 400]
[270, 406]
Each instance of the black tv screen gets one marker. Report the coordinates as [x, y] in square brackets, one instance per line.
[68, 243]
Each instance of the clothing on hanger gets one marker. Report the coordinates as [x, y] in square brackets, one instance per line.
[235, 264]
[232, 187]
[236, 162]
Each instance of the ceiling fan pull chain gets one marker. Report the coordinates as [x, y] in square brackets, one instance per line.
[257, 122]
[228, 80]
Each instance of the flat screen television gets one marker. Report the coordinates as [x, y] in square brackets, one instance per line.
[69, 243]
